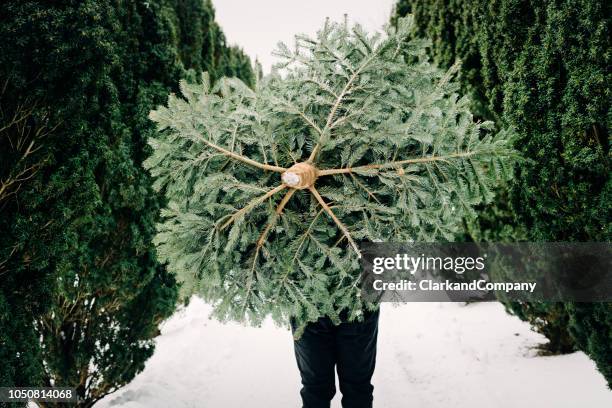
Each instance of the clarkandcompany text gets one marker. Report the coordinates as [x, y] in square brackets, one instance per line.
[432, 285]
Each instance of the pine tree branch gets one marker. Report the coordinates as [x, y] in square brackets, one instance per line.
[249, 284]
[332, 112]
[241, 158]
[341, 226]
[360, 184]
[343, 60]
[303, 115]
[252, 204]
[328, 172]
[322, 86]
[279, 210]
[306, 234]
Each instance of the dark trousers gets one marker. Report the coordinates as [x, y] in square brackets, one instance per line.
[351, 347]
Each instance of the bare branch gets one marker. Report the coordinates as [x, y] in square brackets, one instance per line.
[240, 157]
[328, 172]
[341, 226]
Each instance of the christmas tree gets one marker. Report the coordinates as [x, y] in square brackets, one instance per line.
[354, 136]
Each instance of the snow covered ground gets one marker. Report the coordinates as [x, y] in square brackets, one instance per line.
[431, 355]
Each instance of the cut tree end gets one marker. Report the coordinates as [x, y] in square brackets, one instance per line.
[300, 176]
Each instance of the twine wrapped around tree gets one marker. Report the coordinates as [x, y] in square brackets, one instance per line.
[270, 189]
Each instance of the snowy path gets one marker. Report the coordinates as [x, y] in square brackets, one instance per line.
[431, 355]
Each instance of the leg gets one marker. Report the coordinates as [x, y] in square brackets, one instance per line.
[356, 358]
[314, 352]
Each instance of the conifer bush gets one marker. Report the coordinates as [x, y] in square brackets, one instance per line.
[544, 69]
[82, 292]
[355, 137]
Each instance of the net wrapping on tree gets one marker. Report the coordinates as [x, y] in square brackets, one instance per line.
[271, 189]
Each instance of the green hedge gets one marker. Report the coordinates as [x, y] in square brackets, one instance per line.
[542, 67]
[78, 211]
